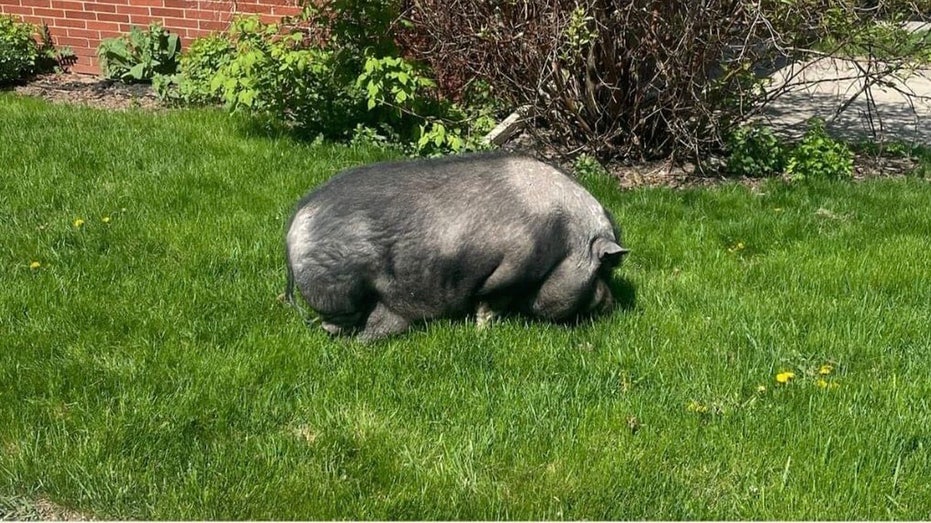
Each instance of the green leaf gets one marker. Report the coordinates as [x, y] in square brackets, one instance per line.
[440, 134]
[173, 45]
[137, 72]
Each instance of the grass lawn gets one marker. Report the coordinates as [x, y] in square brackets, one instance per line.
[147, 370]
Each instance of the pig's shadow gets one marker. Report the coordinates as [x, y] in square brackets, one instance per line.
[625, 293]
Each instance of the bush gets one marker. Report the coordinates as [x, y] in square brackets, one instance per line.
[140, 55]
[322, 75]
[18, 49]
[637, 79]
[198, 66]
[818, 155]
[273, 73]
[754, 151]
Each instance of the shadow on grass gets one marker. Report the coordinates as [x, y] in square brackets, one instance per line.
[625, 293]
[623, 290]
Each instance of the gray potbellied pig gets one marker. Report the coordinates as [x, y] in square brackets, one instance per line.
[379, 247]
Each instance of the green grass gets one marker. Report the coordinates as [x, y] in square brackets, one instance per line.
[147, 370]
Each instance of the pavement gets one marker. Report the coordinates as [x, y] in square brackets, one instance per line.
[822, 86]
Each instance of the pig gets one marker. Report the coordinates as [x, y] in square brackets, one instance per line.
[381, 247]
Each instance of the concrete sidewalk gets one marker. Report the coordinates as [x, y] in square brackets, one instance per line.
[829, 83]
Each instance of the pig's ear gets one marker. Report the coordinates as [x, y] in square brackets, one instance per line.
[608, 251]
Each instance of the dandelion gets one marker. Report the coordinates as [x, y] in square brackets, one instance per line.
[761, 388]
[695, 406]
[738, 247]
[826, 369]
[35, 265]
[784, 377]
[824, 384]
[105, 219]
[78, 223]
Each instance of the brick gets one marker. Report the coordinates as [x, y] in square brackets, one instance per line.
[73, 42]
[180, 23]
[112, 17]
[101, 26]
[67, 4]
[48, 13]
[17, 10]
[132, 10]
[286, 11]
[117, 2]
[167, 12]
[254, 8]
[36, 3]
[83, 33]
[85, 65]
[215, 5]
[83, 15]
[140, 20]
[180, 4]
[104, 8]
[210, 25]
[112, 32]
[206, 14]
[71, 22]
[148, 3]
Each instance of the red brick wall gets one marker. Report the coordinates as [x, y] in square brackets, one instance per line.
[81, 24]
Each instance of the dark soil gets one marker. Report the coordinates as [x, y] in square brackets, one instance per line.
[91, 91]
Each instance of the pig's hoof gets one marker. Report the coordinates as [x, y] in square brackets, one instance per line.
[484, 316]
[333, 330]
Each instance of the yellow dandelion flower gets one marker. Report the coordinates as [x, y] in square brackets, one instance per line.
[822, 384]
[826, 369]
[35, 265]
[78, 223]
[695, 406]
[784, 377]
[105, 219]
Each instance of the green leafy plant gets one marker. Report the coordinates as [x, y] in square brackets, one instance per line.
[198, 66]
[272, 72]
[18, 49]
[754, 151]
[587, 166]
[400, 96]
[818, 155]
[325, 83]
[200, 63]
[140, 55]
